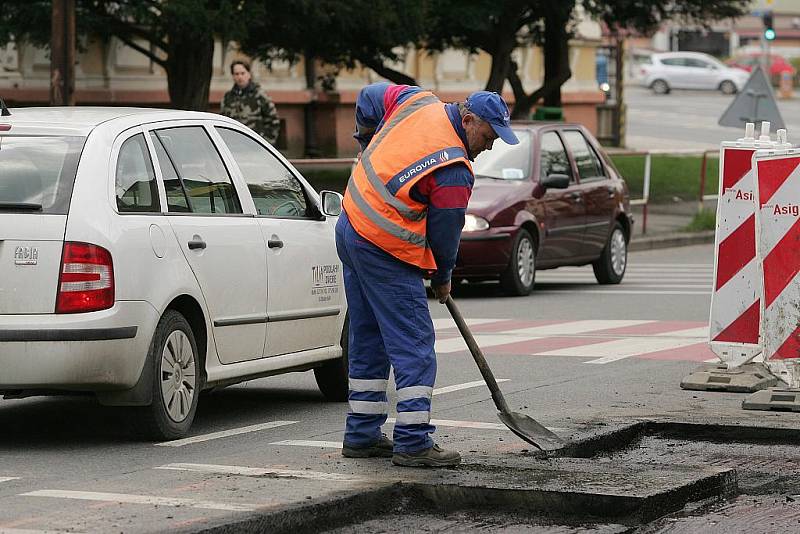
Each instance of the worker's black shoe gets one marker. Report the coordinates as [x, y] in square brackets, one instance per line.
[380, 449]
[433, 457]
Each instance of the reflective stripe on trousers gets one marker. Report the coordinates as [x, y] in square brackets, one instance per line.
[390, 326]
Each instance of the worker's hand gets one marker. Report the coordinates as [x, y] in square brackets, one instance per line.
[441, 292]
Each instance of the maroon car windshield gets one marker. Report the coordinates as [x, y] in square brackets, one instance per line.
[504, 161]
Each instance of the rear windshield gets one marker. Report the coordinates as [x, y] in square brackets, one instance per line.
[37, 173]
[504, 161]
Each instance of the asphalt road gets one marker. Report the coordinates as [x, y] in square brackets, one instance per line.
[687, 119]
[572, 355]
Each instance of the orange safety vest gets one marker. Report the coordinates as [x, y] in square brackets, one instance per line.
[417, 139]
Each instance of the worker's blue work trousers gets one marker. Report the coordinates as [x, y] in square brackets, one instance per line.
[390, 324]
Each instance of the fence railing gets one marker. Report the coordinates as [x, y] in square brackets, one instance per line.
[648, 165]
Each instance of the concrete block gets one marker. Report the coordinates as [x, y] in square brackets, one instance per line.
[781, 399]
[746, 378]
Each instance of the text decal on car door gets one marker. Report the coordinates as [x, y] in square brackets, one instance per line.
[325, 281]
[26, 256]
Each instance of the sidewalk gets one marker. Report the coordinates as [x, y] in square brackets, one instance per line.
[665, 226]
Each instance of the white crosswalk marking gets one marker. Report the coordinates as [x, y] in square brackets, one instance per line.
[260, 471]
[444, 346]
[447, 322]
[140, 499]
[8, 479]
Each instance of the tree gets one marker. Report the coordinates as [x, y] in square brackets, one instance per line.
[340, 32]
[501, 27]
[179, 34]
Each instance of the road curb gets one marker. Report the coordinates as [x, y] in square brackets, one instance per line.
[681, 239]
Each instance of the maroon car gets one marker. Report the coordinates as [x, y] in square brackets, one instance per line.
[554, 199]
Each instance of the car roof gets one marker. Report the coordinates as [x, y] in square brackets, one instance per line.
[80, 120]
[700, 55]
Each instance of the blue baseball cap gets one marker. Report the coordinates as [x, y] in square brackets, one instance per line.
[491, 108]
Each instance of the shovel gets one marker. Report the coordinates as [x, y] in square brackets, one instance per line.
[523, 426]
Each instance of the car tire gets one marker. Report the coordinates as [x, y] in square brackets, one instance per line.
[176, 383]
[727, 87]
[610, 267]
[333, 376]
[520, 277]
[660, 87]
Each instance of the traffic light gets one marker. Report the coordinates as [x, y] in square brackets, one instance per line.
[769, 31]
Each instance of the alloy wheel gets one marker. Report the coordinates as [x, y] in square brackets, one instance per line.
[525, 262]
[178, 376]
[619, 257]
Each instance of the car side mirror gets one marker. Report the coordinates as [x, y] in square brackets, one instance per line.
[331, 203]
[555, 181]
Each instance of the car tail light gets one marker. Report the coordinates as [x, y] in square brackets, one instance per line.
[86, 281]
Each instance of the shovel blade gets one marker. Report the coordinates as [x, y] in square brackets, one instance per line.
[531, 431]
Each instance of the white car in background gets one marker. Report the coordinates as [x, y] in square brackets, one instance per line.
[690, 70]
[147, 255]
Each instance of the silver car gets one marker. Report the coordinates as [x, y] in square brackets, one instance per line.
[690, 70]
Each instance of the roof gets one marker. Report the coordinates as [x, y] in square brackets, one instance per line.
[80, 120]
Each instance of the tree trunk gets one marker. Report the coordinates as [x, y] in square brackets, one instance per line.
[556, 65]
[189, 66]
[501, 62]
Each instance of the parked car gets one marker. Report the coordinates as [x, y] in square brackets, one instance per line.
[777, 65]
[554, 199]
[147, 255]
[690, 70]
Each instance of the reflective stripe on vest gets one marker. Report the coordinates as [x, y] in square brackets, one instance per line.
[378, 200]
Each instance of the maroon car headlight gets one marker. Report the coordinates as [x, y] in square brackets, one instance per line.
[473, 223]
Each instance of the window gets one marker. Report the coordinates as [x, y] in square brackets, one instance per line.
[136, 187]
[38, 172]
[674, 62]
[586, 160]
[275, 191]
[554, 158]
[504, 161]
[194, 176]
[697, 63]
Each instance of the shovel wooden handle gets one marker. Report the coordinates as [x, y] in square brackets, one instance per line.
[477, 354]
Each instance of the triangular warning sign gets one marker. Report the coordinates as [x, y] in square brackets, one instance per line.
[754, 103]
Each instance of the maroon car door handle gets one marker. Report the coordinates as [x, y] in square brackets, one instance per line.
[576, 196]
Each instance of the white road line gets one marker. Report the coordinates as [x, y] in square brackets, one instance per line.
[8, 479]
[140, 499]
[524, 334]
[260, 471]
[467, 385]
[224, 434]
[33, 531]
[309, 443]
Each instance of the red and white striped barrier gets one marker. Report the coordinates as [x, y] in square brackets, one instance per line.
[735, 303]
[777, 195]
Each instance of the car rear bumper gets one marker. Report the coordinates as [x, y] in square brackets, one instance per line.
[484, 253]
[94, 351]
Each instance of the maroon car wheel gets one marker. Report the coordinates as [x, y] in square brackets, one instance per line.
[610, 267]
[521, 273]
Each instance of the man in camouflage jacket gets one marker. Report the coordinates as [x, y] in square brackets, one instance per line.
[251, 106]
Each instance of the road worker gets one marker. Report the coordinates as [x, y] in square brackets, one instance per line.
[403, 213]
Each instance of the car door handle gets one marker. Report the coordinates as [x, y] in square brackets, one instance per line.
[576, 197]
[196, 244]
[275, 243]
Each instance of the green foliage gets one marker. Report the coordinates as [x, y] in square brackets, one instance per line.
[703, 220]
[646, 16]
[338, 32]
